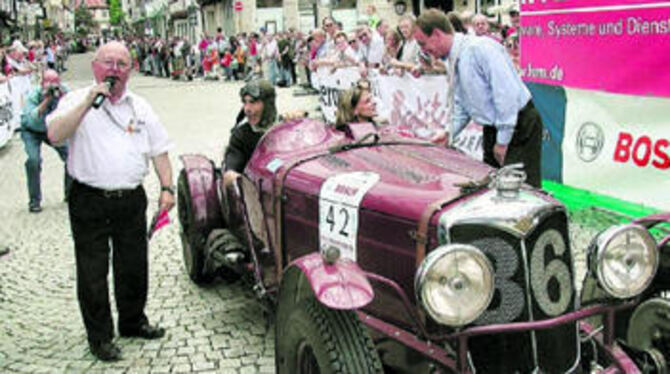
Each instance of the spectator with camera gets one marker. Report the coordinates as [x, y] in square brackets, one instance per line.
[41, 101]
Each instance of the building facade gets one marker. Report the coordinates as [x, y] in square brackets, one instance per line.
[100, 11]
[192, 18]
[8, 19]
[184, 19]
[305, 15]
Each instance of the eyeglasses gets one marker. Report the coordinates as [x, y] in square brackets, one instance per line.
[111, 64]
[328, 25]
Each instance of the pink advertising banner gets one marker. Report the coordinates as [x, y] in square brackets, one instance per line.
[618, 46]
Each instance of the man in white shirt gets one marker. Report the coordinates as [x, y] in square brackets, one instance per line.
[19, 79]
[371, 46]
[483, 28]
[109, 157]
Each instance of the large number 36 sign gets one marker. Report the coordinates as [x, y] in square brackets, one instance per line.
[551, 284]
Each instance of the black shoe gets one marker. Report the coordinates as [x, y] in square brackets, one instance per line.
[35, 208]
[105, 351]
[146, 331]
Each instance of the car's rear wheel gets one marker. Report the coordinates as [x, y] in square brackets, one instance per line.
[311, 338]
[192, 240]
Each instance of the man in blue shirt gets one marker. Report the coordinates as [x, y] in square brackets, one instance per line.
[486, 89]
[41, 101]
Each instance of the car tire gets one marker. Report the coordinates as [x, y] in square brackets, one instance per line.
[192, 240]
[311, 336]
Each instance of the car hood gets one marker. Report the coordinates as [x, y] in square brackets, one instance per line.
[302, 155]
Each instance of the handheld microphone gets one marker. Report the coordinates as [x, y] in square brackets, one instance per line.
[99, 98]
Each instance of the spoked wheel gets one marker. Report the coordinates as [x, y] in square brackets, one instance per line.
[311, 338]
[192, 241]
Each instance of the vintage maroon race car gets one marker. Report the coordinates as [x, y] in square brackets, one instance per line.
[380, 252]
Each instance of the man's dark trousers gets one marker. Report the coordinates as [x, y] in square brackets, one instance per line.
[32, 141]
[525, 146]
[96, 219]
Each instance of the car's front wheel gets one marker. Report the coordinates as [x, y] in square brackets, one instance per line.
[311, 338]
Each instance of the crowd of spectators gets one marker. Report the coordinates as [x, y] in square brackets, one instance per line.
[21, 65]
[283, 58]
[213, 57]
[392, 48]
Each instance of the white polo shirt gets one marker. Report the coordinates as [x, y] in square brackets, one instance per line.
[373, 53]
[112, 146]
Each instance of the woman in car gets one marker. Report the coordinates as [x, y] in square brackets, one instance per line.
[355, 105]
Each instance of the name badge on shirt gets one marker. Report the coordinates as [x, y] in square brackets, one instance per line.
[134, 128]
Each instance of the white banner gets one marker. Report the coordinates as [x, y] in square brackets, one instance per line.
[330, 84]
[417, 106]
[618, 145]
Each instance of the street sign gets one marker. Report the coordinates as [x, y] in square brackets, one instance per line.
[238, 6]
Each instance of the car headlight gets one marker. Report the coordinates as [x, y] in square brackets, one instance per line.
[454, 284]
[626, 260]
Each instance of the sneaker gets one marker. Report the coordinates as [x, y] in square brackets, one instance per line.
[35, 208]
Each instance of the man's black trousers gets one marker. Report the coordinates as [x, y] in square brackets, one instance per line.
[104, 222]
[525, 147]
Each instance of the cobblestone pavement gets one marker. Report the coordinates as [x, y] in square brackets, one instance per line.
[220, 328]
[216, 329]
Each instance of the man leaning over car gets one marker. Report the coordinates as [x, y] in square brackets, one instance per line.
[488, 90]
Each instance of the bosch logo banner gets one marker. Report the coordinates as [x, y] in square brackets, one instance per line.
[642, 151]
[590, 141]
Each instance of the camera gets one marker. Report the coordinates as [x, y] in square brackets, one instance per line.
[53, 91]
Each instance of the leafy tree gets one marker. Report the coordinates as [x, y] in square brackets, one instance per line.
[116, 15]
[84, 23]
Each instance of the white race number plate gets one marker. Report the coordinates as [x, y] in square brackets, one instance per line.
[339, 202]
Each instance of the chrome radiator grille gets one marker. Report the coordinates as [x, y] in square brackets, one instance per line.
[533, 282]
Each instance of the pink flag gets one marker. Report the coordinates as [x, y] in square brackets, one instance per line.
[161, 219]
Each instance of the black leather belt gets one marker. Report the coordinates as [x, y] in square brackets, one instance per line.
[108, 194]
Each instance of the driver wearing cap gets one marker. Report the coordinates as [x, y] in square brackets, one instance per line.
[258, 114]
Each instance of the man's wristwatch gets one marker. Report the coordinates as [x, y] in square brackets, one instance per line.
[169, 189]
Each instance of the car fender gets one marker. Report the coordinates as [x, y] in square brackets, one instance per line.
[202, 183]
[342, 285]
[653, 220]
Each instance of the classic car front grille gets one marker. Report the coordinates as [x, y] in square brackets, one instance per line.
[533, 282]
